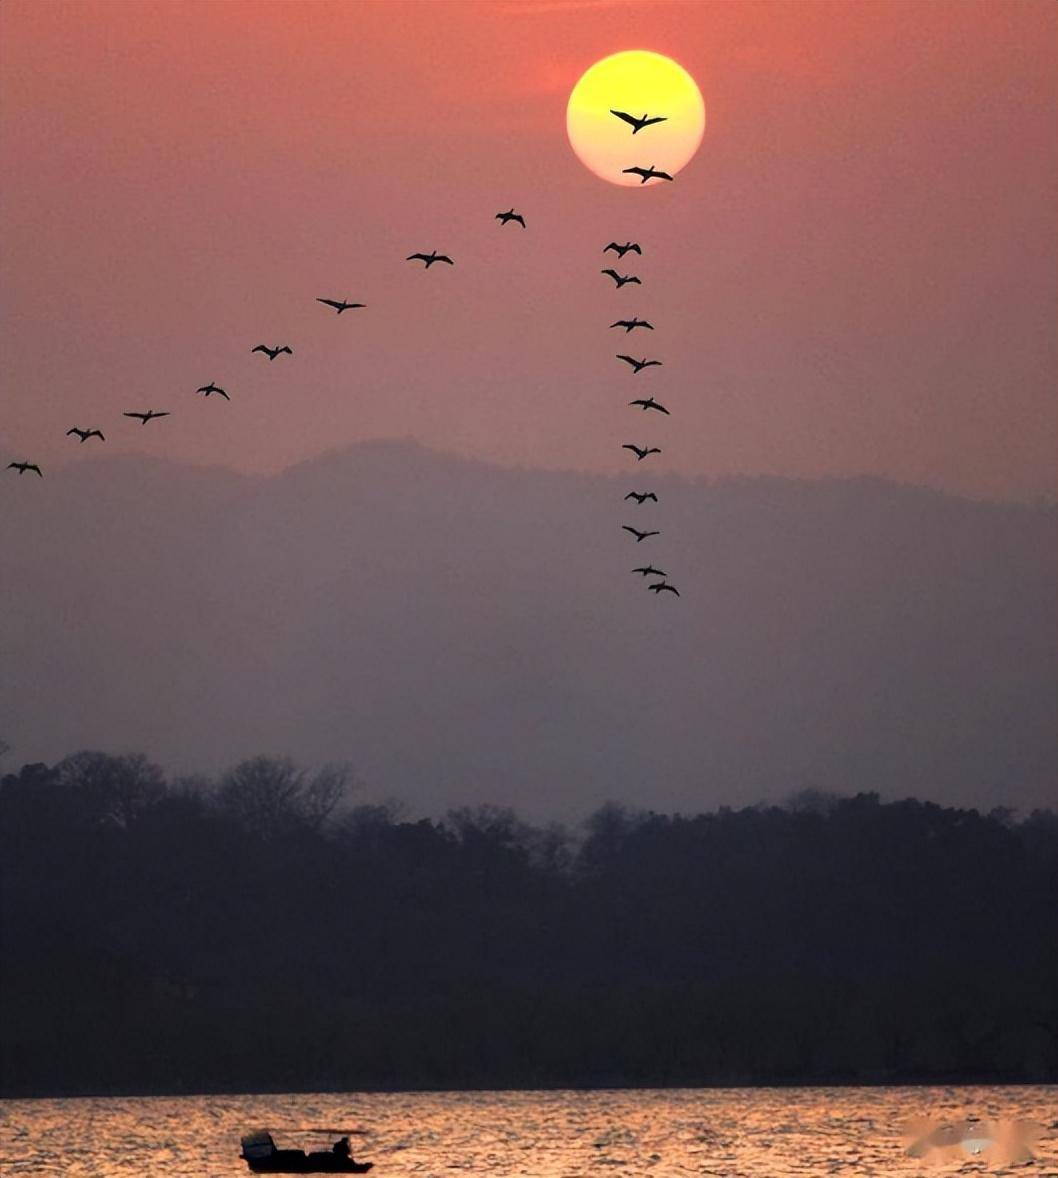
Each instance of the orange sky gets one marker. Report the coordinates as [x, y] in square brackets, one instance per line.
[856, 274]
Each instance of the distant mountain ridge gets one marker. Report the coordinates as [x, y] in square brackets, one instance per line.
[465, 632]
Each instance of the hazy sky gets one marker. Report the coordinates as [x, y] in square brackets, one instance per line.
[855, 275]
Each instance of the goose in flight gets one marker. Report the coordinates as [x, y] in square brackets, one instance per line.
[641, 496]
[271, 353]
[621, 250]
[211, 388]
[429, 259]
[640, 451]
[632, 324]
[145, 417]
[637, 125]
[22, 467]
[340, 305]
[510, 215]
[649, 403]
[660, 585]
[621, 279]
[648, 570]
[638, 365]
[646, 174]
[640, 536]
[85, 434]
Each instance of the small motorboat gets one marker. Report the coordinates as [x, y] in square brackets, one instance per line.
[261, 1155]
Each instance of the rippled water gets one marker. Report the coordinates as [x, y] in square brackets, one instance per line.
[763, 1133]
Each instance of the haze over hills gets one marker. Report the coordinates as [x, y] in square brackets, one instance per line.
[463, 632]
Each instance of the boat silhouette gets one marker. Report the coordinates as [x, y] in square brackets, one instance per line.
[261, 1155]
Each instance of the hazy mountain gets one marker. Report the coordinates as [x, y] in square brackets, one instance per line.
[463, 632]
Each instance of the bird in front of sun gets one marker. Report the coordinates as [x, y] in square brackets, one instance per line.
[637, 125]
[429, 259]
[22, 467]
[85, 434]
[510, 215]
[211, 388]
[646, 174]
[271, 353]
[620, 279]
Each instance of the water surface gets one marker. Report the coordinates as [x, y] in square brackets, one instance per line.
[728, 1133]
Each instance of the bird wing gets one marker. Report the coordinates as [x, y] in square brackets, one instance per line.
[627, 359]
[632, 122]
[632, 530]
[98, 433]
[648, 363]
[639, 401]
[289, 351]
[164, 413]
[662, 175]
[633, 278]
[635, 171]
[132, 415]
[651, 495]
[420, 257]
[34, 466]
[444, 258]
[655, 119]
[635, 248]
[224, 394]
[262, 348]
[520, 219]
[612, 246]
[75, 430]
[331, 302]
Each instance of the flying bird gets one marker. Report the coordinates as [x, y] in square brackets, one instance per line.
[145, 417]
[22, 467]
[271, 353]
[650, 403]
[638, 365]
[621, 279]
[85, 434]
[340, 305]
[660, 585]
[646, 174]
[510, 215]
[640, 536]
[429, 259]
[648, 570]
[640, 451]
[632, 324]
[640, 496]
[210, 388]
[637, 125]
[621, 250]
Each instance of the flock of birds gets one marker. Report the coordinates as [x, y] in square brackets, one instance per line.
[429, 259]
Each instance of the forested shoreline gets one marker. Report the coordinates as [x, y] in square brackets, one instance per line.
[263, 932]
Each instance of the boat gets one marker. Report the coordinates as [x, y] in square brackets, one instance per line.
[261, 1154]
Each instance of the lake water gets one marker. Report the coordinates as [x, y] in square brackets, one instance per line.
[734, 1132]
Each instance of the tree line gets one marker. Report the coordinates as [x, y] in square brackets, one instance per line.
[262, 932]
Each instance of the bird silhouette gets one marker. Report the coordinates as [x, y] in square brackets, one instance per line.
[621, 279]
[621, 250]
[271, 353]
[638, 365]
[510, 215]
[640, 451]
[648, 570]
[340, 305]
[640, 536]
[22, 467]
[646, 174]
[640, 496]
[637, 125]
[85, 434]
[211, 388]
[660, 585]
[649, 403]
[632, 324]
[429, 259]
[145, 417]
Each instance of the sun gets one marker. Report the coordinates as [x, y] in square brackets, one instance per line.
[639, 83]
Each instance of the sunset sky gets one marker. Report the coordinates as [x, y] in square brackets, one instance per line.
[855, 274]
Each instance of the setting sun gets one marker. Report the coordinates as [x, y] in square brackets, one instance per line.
[640, 84]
